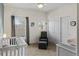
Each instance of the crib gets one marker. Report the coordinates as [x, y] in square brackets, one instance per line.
[14, 46]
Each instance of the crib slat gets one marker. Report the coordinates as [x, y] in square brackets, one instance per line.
[11, 51]
[25, 50]
[6, 52]
[18, 52]
[1, 52]
[13, 41]
[21, 51]
[15, 52]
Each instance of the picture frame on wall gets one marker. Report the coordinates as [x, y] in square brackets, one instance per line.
[32, 24]
[73, 23]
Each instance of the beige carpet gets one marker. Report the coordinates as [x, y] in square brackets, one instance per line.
[34, 51]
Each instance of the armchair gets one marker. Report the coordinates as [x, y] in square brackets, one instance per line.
[43, 40]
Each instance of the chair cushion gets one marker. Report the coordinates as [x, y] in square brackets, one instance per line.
[43, 42]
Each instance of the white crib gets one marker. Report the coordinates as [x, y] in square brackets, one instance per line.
[13, 46]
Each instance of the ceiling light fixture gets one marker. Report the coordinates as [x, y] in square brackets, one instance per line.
[40, 5]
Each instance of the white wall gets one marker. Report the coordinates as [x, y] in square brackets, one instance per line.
[38, 17]
[1, 19]
[78, 29]
[54, 21]
[34, 16]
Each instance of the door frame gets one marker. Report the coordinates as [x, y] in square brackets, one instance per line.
[27, 27]
[13, 28]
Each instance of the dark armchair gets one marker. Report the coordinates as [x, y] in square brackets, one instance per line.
[43, 40]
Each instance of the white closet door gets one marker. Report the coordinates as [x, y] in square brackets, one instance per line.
[65, 29]
[54, 29]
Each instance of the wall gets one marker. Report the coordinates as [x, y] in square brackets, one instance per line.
[78, 29]
[38, 17]
[54, 18]
[34, 16]
[1, 19]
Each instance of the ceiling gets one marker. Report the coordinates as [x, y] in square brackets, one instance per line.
[47, 7]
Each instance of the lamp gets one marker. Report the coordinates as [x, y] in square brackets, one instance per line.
[40, 5]
[4, 36]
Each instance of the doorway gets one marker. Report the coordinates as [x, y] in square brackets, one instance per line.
[20, 27]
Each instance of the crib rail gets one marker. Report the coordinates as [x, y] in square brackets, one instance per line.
[13, 51]
[12, 47]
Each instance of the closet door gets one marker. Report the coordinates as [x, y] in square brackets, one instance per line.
[65, 29]
[54, 29]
